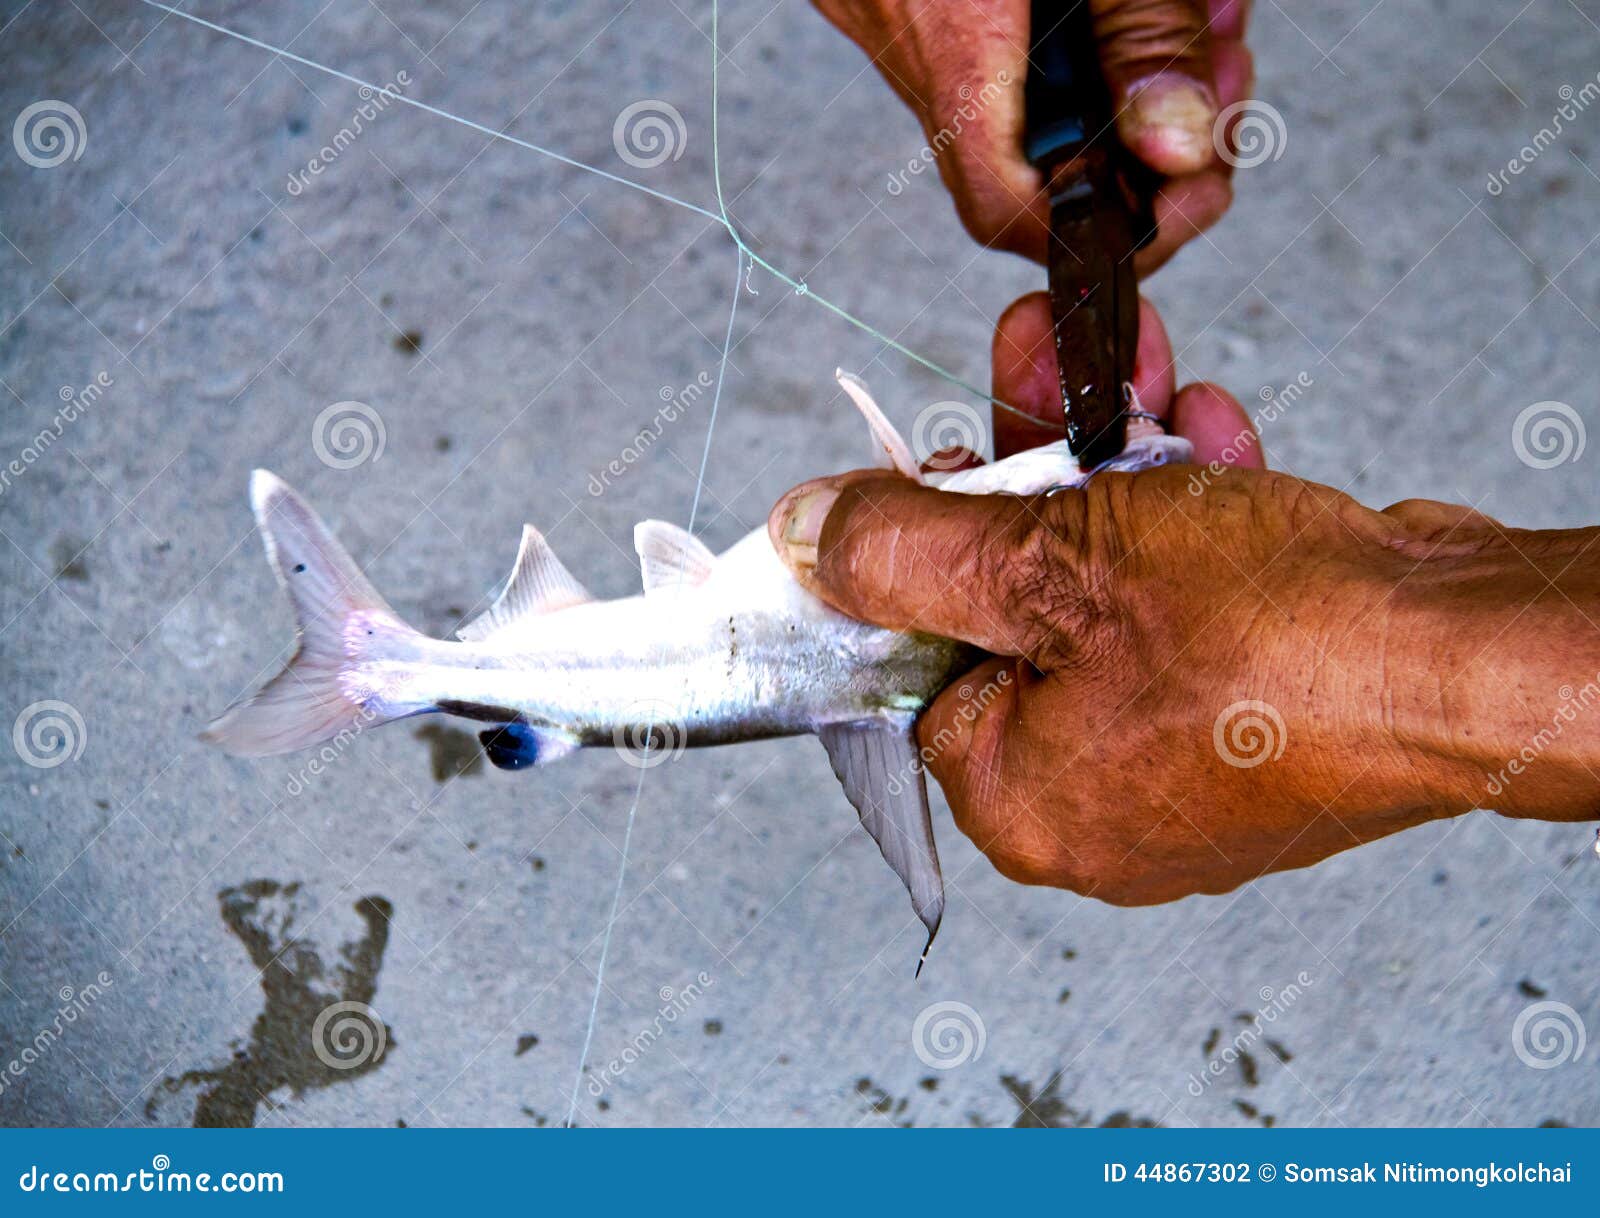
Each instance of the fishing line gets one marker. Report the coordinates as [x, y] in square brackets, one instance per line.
[801, 288]
[650, 731]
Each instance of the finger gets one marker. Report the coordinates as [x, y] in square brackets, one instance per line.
[1212, 420]
[881, 548]
[1184, 208]
[1024, 375]
[1228, 19]
[1156, 57]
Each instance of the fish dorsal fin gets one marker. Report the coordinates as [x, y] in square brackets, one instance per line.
[889, 448]
[539, 584]
[670, 557]
[878, 763]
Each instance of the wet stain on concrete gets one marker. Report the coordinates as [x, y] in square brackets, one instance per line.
[713, 1027]
[299, 987]
[1044, 1108]
[526, 1042]
[409, 342]
[452, 752]
[66, 556]
[1527, 989]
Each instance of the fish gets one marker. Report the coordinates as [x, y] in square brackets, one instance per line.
[717, 649]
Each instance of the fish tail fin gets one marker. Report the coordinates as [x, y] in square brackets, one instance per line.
[340, 621]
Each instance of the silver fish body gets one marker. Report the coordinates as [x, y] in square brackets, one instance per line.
[718, 649]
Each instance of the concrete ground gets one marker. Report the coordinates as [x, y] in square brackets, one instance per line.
[174, 923]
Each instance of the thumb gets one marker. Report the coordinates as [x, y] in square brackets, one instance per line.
[1156, 57]
[984, 569]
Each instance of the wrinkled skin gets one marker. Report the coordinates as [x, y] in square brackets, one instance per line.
[1406, 654]
[1170, 65]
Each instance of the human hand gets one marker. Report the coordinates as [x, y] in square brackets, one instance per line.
[1170, 65]
[1216, 673]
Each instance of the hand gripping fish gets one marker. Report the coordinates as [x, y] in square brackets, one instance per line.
[718, 649]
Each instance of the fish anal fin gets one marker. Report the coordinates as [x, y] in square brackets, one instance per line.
[877, 762]
[889, 448]
[539, 584]
[670, 557]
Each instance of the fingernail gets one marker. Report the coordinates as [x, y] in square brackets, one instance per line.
[796, 523]
[1171, 118]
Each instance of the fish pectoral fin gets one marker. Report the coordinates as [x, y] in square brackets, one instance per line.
[889, 448]
[878, 763]
[670, 557]
[516, 746]
[539, 584]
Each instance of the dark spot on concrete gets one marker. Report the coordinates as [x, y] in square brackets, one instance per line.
[297, 125]
[1268, 1121]
[103, 804]
[441, 444]
[300, 569]
[533, 1116]
[471, 846]
[1528, 990]
[1069, 953]
[525, 1042]
[452, 752]
[1063, 996]
[713, 1027]
[928, 1084]
[1441, 877]
[386, 300]
[1246, 1107]
[603, 1105]
[16, 852]
[399, 1123]
[408, 342]
[1046, 1109]
[299, 986]
[1248, 1068]
[537, 863]
[67, 557]
[1278, 1050]
[863, 1085]
[1552, 1123]
[1210, 1042]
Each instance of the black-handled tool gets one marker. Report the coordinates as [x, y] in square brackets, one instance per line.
[1099, 215]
